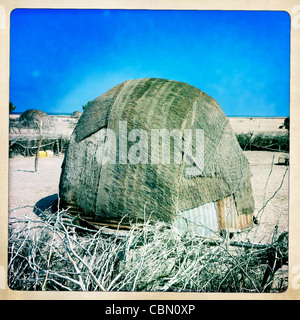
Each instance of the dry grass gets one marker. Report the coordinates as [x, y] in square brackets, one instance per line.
[58, 252]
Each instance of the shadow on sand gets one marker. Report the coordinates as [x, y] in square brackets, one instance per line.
[32, 171]
[46, 203]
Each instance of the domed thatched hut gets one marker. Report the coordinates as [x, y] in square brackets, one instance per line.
[218, 196]
[76, 114]
[32, 114]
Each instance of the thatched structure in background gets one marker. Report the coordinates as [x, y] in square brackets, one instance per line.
[218, 198]
[76, 114]
[32, 115]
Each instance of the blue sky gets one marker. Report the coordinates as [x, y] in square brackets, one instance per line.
[60, 59]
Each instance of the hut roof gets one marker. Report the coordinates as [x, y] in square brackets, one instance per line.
[114, 190]
[76, 114]
[32, 114]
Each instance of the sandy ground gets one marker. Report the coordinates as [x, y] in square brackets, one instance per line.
[256, 124]
[270, 185]
[29, 188]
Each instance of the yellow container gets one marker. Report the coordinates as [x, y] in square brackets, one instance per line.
[42, 154]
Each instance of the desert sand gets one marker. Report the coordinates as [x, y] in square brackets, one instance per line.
[256, 124]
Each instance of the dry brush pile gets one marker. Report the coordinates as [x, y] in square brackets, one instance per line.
[28, 147]
[60, 252]
[264, 141]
